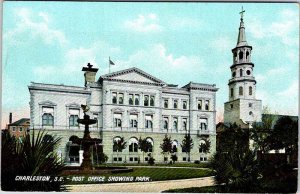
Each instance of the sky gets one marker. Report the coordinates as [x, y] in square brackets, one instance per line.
[49, 42]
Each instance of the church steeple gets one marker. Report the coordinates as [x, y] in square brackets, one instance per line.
[242, 35]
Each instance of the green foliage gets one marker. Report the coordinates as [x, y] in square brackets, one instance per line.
[144, 145]
[98, 156]
[166, 146]
[238, 170]
[151, 160]
[30, 157]
[119, 145]
[174, 158]
[204, 147]
[187, 143]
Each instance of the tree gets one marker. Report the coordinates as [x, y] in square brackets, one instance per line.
[30, 156]
[174, 158]
[119, 145]
[204, 147]
[166, 146]
[285, 135]
[144, 146]
[187, 144]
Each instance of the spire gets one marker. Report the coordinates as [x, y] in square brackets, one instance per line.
[242, 36]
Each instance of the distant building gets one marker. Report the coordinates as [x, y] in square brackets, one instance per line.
[19, 128]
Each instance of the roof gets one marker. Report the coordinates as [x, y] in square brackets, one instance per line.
[19, 122]
[209, 87]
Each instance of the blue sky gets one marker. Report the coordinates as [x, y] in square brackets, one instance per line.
[49, 42]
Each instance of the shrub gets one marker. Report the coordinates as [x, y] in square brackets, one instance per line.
[174, 158]
[197, 162]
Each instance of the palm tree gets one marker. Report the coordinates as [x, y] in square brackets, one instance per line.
[30, 156]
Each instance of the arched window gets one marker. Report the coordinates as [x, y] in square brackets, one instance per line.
[250, 90]
[116, 144]
[151, 100]
[150, 147]
[247, 55]
[233, 74]
[47, 119]
[241, 72]
[248, 72]
[231, 92]
[47, 138]
[174, 146]
[241, 55]
[73, 138]
[133, 145]
[137, 99]
[175, 125]
[240, 90]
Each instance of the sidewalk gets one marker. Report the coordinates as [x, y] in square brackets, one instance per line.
[150, 187]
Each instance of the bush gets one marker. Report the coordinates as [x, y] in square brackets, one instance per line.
[197, 162]
[30, 157]
[174, 158]
[151, 161]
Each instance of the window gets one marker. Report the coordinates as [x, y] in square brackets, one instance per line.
[121, 98]
[203, 124]
[150, 148]
[130, 100]
[175, 124]
[152, 100]
[148, 122]
[184, 124]
[184, 104]
[166, 123]
[241, 55]
[115, 144]
[247, 54]
[199, 104]
[233, 74]
[241, 72]
[240, 90]
[166, 103]
[250, 90]
[231, 106]
[47, 119]
[184, 159]
[136, 99]
[206, 104]
[231, 92]
[146, 100]
[174, 146]
[73, 117]
[250, 105]
[175, 104]
[251, 113]
[117, 120]
[21, 129]
[14, 128]
[133, 121]
[248, 72]
[203, 159]
[133, 145]
[114, 98]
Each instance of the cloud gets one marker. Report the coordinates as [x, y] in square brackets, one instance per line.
[222, 44]
[291, 92]
[276, 73]
[285, 27]
[144, 23]
[184, 23]
[34, 26]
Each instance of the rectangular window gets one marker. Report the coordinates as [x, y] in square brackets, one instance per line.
[115, 159]
[199, 104]
[152, 100]
[130, 100]
[184, 124]
[121, 98]
[184, 159]
[146, 100]
[133, 121]
[14, 128]
[114, 98]
[21, 129]
[131, 159]
[166, 123]
[206, 104]
[119, 159]
[146, 158]
[117, 120]
[184, 104]
[47, 117]
[175, 124]
[135, 159]
[148, 122]
[166, 103]
[203, 124]
[175, 104]
[136, 99]
[73, 117]
[250, 105]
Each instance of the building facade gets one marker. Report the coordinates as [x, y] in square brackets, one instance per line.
[19, 128]
[242, 108]
[129, 104]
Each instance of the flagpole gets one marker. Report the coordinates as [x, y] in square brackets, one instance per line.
[109, 64]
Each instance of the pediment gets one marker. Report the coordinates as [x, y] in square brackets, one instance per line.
[133, 75]
[47, 103]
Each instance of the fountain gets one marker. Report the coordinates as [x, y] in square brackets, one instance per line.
[86, 142]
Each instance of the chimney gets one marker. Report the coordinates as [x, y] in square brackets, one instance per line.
[89, 73]
[10, 118]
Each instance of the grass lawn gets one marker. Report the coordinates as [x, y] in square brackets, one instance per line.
[208, 189]
[155, 174]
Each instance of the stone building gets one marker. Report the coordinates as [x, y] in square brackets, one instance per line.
[131, 104]
[242, 108]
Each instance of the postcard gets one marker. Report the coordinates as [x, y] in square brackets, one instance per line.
[150, 97]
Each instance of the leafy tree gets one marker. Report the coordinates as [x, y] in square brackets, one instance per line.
[204, 147]
[119, 145]
[30, 156]
[285, 135]
[174, 158]
[151, 159]
[98, 156]
[187, 144]
[166, 146]
[144, 146]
